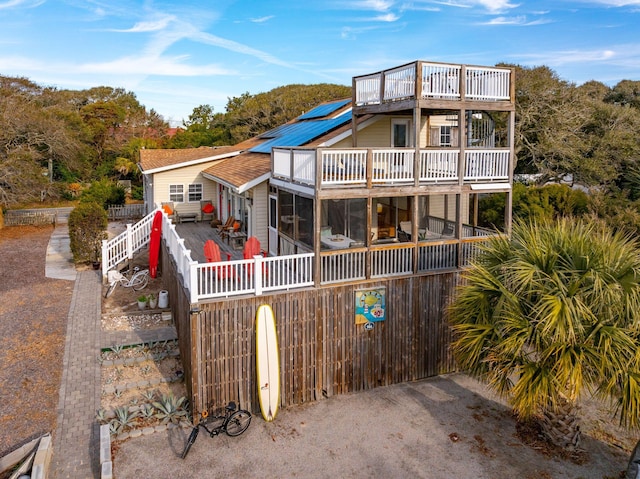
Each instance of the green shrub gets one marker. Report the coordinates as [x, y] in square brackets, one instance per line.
[104, 192]
[87, 225]
[137, 192]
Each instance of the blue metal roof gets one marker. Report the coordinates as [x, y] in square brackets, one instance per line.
[323, 110]
[297, 134]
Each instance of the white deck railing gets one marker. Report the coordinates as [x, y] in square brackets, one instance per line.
[439, 81]
[343, 265]
[481, 165]
[250, 276]
[392, 261]
[438, 165]
[124, 246]
[259, 274]
[389, 166]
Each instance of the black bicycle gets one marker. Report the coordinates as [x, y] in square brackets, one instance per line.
[233, 423]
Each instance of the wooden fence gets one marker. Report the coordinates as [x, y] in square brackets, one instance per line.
[322, 351]
[126, 212]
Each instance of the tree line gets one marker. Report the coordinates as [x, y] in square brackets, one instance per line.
[583, 135]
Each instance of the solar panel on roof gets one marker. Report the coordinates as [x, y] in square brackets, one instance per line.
[298, 134]
[323, 110]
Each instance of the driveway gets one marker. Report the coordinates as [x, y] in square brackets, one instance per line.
[444, 427]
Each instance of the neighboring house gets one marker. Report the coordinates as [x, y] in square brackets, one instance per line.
[175, 175]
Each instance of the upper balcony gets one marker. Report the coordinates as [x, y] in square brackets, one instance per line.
[434, 85]
[377, 167]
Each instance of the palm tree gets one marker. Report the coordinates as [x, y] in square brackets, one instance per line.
[549, 314]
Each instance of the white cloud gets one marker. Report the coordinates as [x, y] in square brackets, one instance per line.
[121, 67]
[389, 17]
[376, 5]
[520, 20]
[150, 26]
[21, 3]
[262, 19]
[492, 6]
[564, 57]
[616, 3]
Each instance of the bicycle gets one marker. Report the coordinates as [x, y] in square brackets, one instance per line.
[233, 423]
[138, 281]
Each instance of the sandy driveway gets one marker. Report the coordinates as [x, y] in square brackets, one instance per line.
[445, 427]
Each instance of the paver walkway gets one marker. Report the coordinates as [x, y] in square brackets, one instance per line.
[76, 439]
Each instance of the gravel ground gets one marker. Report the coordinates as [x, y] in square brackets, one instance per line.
[33, 321]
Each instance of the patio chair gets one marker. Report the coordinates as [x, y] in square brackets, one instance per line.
[235, 227]
[251, 249]
[169, 209]
[212, 255]
[226, 225]
[207, 210]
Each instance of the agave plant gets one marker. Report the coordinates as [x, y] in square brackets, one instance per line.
[125, 419]
[170, 409]
[149, 395]
[101, 416]
[147, 411]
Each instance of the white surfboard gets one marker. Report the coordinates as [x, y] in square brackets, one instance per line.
[267, 362]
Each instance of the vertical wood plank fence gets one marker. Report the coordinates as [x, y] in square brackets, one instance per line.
[322, 351]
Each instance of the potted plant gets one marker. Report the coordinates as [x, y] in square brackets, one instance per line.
[153, 301]
[142, 302]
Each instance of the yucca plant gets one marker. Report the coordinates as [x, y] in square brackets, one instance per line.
[551, 313]
[170, 409]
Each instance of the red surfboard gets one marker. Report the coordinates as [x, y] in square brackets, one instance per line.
[154, 244]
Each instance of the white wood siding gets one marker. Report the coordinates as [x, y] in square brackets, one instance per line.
[260, 213]
[378, 134]
[185, 177]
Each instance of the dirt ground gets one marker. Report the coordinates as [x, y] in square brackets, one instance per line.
[33, 322]
[440, 428]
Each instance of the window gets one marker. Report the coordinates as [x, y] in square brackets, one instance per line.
[400, 133]
[176, 193]
[445, 135]
[296, 217]
[343, 218]
[195, 192]
[391, 219]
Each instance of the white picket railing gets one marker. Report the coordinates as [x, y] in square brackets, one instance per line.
[259, 274]
[344, 167]
[390, 166]
[250, 276]
[124, 246]
[486, 165]
[439, 81]
[438, 165]
[392, 261]
[400, 82]
[341, 266]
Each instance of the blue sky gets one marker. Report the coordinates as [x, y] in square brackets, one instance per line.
[177, 55]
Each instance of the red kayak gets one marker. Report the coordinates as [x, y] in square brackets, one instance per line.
[154, 244]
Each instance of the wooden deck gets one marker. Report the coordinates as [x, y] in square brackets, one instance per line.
[195, 235]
